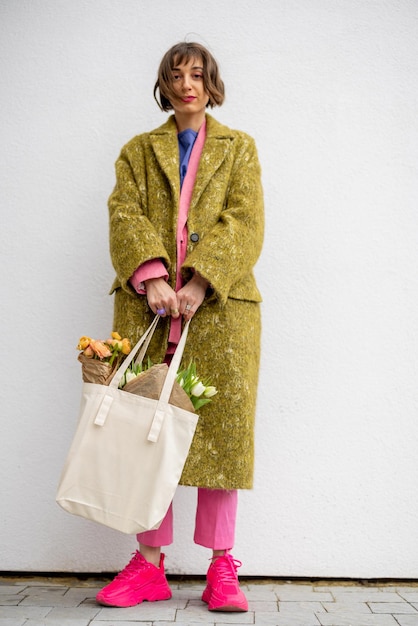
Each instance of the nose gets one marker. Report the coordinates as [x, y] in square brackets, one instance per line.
[186, 82]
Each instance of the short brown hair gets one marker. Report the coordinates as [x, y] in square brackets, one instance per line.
[183, 52]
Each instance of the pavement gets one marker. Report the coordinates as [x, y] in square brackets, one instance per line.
[59, 601]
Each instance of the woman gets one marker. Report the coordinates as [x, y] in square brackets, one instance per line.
[186, 228]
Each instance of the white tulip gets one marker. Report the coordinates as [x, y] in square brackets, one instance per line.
[210, 391]
[129, 376]
[198, 389]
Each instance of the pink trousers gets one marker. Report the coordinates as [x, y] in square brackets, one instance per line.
[216, 514]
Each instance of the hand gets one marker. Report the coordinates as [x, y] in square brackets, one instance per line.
[161, 296]
[191, 296]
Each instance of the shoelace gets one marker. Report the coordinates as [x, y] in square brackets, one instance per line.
[135, 564]
[226, 568]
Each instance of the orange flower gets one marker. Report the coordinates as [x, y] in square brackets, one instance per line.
[116, 335]
[100, 349]
[89, 352]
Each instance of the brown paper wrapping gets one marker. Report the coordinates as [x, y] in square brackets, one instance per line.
[150, 383]
[95, 371]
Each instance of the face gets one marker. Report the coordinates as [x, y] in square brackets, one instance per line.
[191, 97]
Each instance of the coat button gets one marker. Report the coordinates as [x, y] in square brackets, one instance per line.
[194, 237]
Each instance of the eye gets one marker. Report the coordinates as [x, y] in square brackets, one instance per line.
[176, 76]
[197, 76]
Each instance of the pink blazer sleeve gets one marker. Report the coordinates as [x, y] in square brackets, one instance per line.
[154, 268]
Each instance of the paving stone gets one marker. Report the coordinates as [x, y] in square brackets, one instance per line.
[49, 600]
[261, 594]
[201, 615]
[58, 622]
[261, 605]
[186, 595]
[82, 593]
[292, 587]
[300, 607]
[391, 607]
[79, 612]
[177, 623]
[264, 587]
[367, 595]
[350, 588]
[302, 595]
[49, 591]
[147, 611]
[181, 601]
[409, 596]
[195, 615]
[23, 612]
[12, 622]
[241, 619]
[269, 619]
[288, 591]
[10, 589]
[10, 600]
[123, 623]
[407, 620]
[346, 607]
[356, 619]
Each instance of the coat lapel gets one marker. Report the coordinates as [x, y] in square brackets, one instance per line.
[165, 145]
[217, 144]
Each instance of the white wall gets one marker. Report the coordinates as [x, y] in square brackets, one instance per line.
[329, 90]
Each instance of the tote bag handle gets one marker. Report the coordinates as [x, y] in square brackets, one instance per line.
[167, 387]
[163, 401]
[145, 339]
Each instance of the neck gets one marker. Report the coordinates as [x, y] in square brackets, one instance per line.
[193, 121]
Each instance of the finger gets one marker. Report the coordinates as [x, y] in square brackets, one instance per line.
[185, 308]
[189, 311]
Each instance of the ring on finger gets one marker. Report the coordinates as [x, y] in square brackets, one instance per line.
[188, 307]
[161, 311]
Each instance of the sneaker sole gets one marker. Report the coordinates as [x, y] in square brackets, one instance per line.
[229, 608]
[124, 605]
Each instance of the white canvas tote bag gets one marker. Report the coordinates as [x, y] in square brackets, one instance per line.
[128, 452]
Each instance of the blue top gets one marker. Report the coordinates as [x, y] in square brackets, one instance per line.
[186, 142]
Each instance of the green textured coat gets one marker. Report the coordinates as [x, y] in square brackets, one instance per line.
[226, 212]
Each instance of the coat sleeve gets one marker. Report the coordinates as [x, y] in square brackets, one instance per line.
[228, 253]
[133, 239]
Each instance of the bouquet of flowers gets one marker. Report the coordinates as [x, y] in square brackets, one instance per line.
[100, 359]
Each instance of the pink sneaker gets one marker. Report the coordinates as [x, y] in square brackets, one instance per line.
[139, 581]
[222, 591]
